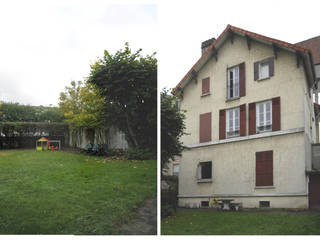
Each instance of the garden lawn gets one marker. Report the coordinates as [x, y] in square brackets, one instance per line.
[199, 222]
[67, 193]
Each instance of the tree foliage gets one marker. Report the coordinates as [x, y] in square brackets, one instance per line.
[81, 105]
[172, 128]
[129, 82]
[14, 112]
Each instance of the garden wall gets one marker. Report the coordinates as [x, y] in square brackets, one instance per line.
[112, 137]
[25, 134]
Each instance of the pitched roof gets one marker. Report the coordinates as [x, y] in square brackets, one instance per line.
[314, 45]
[229, 30]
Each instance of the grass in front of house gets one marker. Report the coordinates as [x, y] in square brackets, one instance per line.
[67, 193]
[199, 222]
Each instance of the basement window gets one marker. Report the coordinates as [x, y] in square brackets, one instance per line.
[264, 204]
[204, 204]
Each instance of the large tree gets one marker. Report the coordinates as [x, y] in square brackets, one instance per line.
[129, 82]
[172, 128]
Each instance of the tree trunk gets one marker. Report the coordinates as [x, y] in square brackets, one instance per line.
[130, 131]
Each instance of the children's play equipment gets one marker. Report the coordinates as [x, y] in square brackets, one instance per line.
[44, 144]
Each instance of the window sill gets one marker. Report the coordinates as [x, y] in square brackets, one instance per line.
[232, 136]
[259, 132]
[264, 187]
[261, 79]
[204, 180]
[232, 99]
[206, 94]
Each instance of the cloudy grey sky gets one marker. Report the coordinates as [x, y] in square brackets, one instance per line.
[44, 45]
[187, 25]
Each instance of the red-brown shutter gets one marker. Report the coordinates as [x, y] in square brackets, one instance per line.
[242, 79]
[271, 66]
[243, 120]
[252, 118]
[256, 71]
[205, 127]
[205, 85]
[264, 168]
[222, 124]
[276, 116]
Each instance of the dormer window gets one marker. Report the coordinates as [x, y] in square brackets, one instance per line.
[264, 69]
[205, 86]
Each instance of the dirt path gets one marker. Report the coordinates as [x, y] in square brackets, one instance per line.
[145, 222]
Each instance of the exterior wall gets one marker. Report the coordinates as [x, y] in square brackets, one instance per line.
[233, 173]
[169, 169]
[233, 162]
[286, 76]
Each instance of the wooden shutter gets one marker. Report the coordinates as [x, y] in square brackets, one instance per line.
[222, 124]
[205, 85]
[243, 120]
[256, 71]
[205, 127]
[252, 118]
[264, 168]
[242, 80]
[271, 66]
[276, 116]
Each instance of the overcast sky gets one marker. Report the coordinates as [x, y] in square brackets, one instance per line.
[184, 26]
[44, 45]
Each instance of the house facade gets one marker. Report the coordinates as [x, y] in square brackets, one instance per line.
[250, 122]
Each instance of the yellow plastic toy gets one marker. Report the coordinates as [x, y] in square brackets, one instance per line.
[42, 144]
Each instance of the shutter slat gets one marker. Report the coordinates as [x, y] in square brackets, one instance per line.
[205, 85]
[264, 168]
[276, 116]
[271, 66]
[252, 118]
[242, 79]
[205, 127]
[222, 124]
[256, 70]
[243, 120]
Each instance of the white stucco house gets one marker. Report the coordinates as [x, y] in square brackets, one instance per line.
[251, 124]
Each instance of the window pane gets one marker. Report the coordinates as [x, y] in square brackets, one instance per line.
[236, 119]
[230, 120]
[236, 84]
[206, 170]
[231, 83]
[263, 70]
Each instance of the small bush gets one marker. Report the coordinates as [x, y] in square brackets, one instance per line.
[139, 154]
[169, 202]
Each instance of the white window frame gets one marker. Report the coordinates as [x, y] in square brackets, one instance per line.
[260, 70]
[235, 82]
[234, 130]
[266, 126]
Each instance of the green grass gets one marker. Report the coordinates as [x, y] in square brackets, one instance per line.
[198, 222]
[66, 193]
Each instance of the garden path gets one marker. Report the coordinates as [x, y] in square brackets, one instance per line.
[145, 223]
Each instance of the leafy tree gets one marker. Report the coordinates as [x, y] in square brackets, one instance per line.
[14, 112]
[81, 105]
[172, 128]
[129, 81]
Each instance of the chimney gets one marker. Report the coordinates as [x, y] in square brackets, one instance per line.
[206, 44]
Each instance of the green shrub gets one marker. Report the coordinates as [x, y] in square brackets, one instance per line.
[169, 202]
[139, 154]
